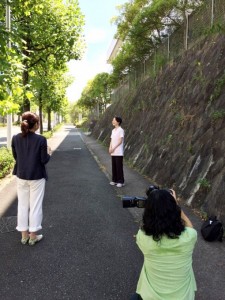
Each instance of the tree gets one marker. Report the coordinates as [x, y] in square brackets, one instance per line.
[44, 28]
[49, 86]
[128, 12]
[10, 84]
[86, 101]
[75, 112]
[10, 70]
[142, 26]
[101, 90]
[96, 94]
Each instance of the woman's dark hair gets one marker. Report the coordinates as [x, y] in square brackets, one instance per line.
[118, 119]
[162, 216]
[29, 119]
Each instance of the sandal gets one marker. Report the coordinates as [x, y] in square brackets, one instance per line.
[38, 238]
[24, 240]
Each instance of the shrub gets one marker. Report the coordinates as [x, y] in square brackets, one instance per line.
[6, 161]
[47, 134]
[57, 127]
[218, 114]
[204, 183]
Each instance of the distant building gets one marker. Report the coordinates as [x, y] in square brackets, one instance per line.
[114, 49]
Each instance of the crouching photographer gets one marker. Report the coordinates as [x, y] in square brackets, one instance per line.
[166, 239]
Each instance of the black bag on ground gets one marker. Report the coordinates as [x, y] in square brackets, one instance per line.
[212, 230]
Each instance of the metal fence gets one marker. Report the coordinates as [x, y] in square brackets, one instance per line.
[196, 26]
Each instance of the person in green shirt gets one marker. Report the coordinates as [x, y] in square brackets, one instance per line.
[166, 239]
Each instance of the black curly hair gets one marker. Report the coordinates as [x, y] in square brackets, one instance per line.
[162, 216]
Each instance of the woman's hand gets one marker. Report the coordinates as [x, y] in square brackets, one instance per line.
[111, 150]
[49, 150]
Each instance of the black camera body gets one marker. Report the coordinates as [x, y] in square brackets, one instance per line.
[139, 202]
[129, 201]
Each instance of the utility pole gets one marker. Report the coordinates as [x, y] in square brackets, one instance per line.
[212, 13]
[187, 14]
[9, 116]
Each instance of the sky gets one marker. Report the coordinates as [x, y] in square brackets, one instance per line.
[99, 35]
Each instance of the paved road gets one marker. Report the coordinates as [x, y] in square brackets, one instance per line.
[14, 130]
[88, 252]
[3, 134]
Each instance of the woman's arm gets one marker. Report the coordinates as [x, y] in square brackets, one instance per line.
[111, 150]
[186, 220]
[45, 156]
[13, 148]
[110, 147]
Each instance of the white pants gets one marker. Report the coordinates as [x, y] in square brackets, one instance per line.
[30, 198]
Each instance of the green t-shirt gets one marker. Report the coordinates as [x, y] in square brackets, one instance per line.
[167, 272]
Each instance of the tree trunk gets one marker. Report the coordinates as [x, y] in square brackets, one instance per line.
[18, 118]
[40, 113]
[26, 102]
[49, 119]
[26, 53]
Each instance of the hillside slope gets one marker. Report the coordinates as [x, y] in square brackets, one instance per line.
[175, 126]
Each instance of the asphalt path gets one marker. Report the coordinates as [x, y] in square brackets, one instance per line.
[88, 250]
[14, 130]
[3, 134]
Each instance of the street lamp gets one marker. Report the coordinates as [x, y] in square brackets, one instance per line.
[9, 116]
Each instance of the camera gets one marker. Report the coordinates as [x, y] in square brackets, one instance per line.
[129, 201]
[134, 201]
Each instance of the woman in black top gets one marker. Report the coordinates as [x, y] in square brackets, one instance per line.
[31, 153]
